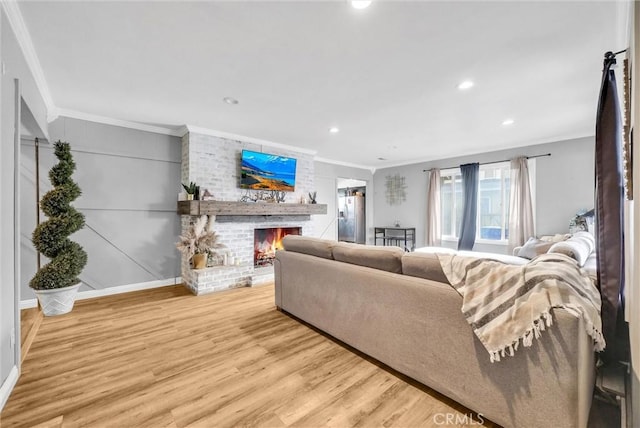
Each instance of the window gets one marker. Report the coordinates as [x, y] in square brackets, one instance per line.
[493, 202]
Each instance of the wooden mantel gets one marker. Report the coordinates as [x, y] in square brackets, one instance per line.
[247, 208]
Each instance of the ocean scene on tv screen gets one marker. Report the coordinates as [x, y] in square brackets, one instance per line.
[264, 171]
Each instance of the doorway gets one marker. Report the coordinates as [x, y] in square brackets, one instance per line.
[352, 216]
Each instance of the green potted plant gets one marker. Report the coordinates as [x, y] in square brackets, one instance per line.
[199, 241]
[192, 190]
[56, 283]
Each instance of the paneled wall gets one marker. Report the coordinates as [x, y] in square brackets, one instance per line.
[130, 182]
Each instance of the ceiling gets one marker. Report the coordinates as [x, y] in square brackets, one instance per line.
[386, 76]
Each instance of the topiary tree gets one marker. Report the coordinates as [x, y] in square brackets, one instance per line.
[51, 237]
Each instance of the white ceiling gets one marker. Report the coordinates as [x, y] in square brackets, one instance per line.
[386, 75]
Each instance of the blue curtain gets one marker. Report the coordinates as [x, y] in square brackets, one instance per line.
[470, 205]
[609, 206]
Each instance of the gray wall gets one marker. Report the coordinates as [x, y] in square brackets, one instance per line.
[130, 180]
[564, 184]
[15, 68]
[326, 174]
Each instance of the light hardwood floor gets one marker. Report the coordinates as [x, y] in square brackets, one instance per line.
[165, 358]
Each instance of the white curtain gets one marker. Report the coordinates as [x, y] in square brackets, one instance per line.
[520, 206]
[433, 230]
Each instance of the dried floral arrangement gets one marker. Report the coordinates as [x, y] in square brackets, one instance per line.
[200, 238]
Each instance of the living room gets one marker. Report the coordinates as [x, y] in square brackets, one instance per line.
[132, 128]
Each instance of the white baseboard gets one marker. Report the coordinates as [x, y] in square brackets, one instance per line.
[28, 304]
[90, 294]
[7, 386]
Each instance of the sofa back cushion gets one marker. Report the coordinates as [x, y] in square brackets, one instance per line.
[423, 265]
[308, 245]
[383, 258]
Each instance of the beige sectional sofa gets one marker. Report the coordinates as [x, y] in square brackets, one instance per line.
[380, 301]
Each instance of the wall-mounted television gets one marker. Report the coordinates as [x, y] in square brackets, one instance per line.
[264, 171]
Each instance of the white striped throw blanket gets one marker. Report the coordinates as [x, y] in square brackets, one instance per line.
[505, 303]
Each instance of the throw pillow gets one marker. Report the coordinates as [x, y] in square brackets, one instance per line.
[533, 248]
[579, 247]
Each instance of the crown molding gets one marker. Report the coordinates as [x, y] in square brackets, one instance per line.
[21, 32]
[624, 18]
[73, 114]
[349, 164]
[230, 136]
[498, 148]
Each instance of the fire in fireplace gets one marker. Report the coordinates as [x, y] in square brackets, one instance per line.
[267, 241]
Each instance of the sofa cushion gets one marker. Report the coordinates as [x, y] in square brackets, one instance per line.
[423, 265]
[308, 245]
[579, 247]
[533, 248]
[383, 258]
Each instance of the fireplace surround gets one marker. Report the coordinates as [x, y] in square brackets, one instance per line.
[214, 163]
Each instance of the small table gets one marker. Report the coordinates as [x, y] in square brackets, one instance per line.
[391, 235]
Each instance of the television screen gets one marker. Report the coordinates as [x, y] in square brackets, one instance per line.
[263, 171]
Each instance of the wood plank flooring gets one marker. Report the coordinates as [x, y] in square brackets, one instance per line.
[30, 320]
[165, 358]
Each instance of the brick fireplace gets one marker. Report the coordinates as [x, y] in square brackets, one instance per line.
[214, 164]
[267, 241]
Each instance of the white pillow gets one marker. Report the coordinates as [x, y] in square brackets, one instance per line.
[433, 250]
[504, 258]
[579, 246]
[533, 248]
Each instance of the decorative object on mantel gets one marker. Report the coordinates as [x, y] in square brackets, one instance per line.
[278, 196]
[303, 199]
[396, 189]
[200, 241]
[207, 195]
[312, 197]
[271, 196]
[192, 191]
[249, 196]
[57, 282]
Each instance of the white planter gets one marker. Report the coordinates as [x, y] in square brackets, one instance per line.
[57, 301]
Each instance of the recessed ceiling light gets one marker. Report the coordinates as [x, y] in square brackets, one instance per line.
[361, 4]
[508, 122]
[334, 130]
[467, 84]
[230, 100]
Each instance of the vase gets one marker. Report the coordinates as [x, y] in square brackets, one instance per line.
[57, 301]
[199, 261]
